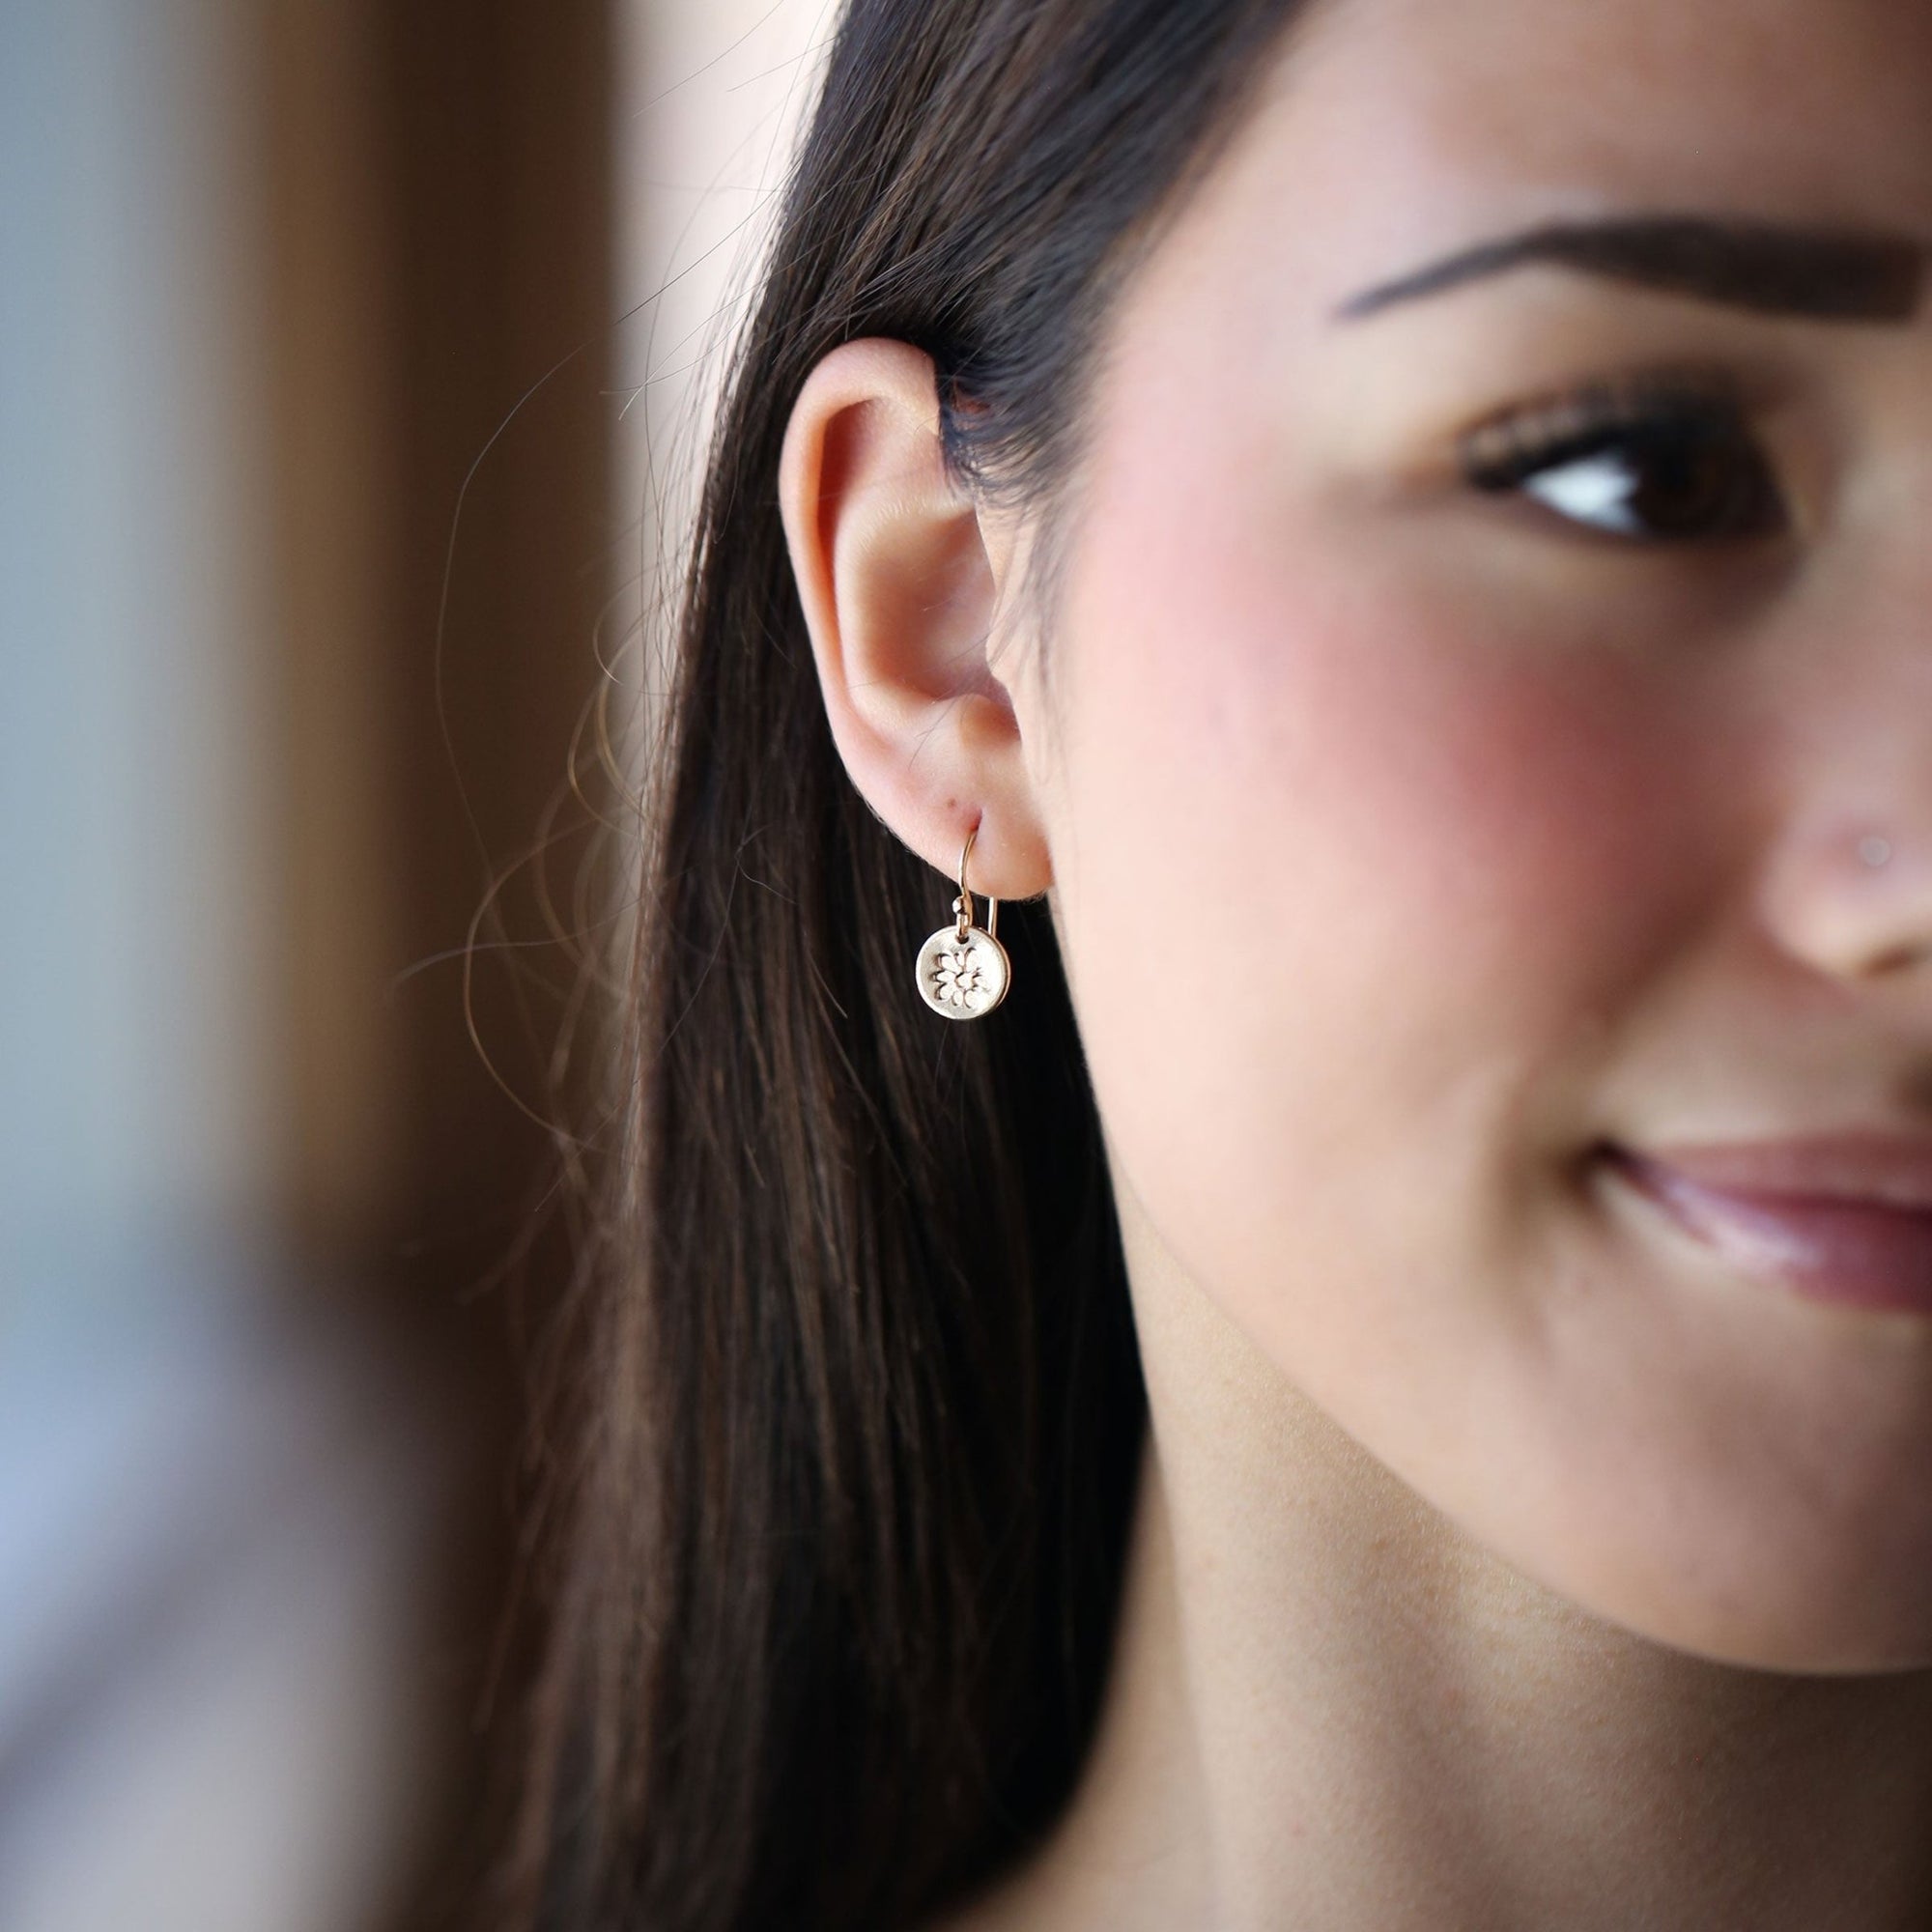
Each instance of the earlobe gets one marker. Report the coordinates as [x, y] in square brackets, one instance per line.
[902, 602]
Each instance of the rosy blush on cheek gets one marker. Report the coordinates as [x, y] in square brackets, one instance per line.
[1418, 846]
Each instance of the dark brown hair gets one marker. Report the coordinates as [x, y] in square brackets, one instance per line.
[849, 1511]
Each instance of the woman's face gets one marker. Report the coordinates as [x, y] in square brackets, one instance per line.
[1417, 831]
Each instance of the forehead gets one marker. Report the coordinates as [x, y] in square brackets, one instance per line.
[1414, 124]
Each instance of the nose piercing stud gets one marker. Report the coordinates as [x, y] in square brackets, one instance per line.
[1874, 851]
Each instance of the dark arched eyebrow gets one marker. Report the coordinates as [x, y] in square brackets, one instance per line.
[1826, 275]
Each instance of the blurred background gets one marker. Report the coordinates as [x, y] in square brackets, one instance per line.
[352, 356]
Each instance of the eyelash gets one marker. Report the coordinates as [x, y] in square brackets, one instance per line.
[1682, 443]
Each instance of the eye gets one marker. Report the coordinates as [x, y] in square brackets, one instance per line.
[1653, 461]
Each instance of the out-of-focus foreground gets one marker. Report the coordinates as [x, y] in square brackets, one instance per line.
[282, 288]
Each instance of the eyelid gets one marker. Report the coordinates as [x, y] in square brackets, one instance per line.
[1529, 426]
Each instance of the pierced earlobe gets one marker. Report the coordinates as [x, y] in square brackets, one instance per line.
[962, 970]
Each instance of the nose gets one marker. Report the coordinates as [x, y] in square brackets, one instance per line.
[1848, 880]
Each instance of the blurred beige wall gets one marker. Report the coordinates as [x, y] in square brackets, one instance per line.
[481, 246]
[438, 258]
[713, 97]
[331, 309]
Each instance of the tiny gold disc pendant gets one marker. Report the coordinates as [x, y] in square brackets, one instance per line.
[962, 976]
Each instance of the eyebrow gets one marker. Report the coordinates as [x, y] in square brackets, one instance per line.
[1824, 274]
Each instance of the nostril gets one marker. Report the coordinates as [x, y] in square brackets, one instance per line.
[1901, 957]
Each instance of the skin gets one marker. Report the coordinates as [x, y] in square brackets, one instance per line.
[1502, 1559]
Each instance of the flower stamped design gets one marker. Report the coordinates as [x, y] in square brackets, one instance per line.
[956, 979]
[962, 978]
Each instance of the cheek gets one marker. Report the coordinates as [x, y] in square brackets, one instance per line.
[1349, 881]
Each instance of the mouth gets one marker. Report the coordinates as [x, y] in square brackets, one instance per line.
[1845, 1251]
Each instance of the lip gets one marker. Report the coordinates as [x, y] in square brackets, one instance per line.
[1844, 1219]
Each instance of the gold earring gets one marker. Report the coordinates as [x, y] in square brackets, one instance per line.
[963, 971]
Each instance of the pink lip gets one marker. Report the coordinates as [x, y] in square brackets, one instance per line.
[1846, 1220]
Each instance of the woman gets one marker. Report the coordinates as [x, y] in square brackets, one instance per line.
[1387, 1382]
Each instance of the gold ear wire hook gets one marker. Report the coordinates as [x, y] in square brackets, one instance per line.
[963, 904]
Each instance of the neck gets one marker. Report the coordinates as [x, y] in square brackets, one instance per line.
[1330, 1708]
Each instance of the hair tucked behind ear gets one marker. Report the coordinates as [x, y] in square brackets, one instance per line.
[863, 1413]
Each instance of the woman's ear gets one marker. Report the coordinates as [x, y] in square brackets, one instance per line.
[900, 595]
